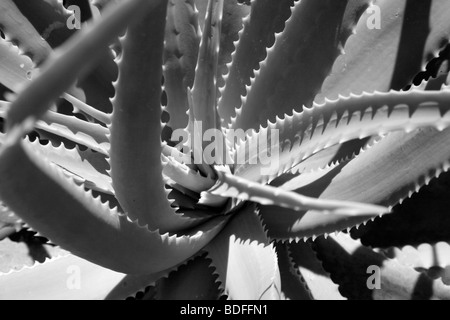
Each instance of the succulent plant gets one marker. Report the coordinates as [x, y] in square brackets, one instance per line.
[297, 120]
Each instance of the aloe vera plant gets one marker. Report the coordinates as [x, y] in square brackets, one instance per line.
[91, 159]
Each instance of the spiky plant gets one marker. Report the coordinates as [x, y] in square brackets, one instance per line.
[106, 180]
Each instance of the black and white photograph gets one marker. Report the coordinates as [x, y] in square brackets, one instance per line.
[224, 150]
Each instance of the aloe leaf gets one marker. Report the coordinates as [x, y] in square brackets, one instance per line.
[186, 177]
[204, 93]
[399, 165]
[231, 186]
[49, 18]
[292, 284]
[6, 216]
[192, 281]
[136, 167]
[334, 122]
[9, 222]
[87, 109]
[20, 30]
[76, 130]
[67, 215]
[91, 135]
[180, 58]
[232, 23]
[50, 23]
[351, 266]
[68, 278]
[14, 67]
[297, 64]
[265, 19]
[410, 34]
[244, 260]
[309, 267]
[103, 3]
[88, 166]
[63, 68]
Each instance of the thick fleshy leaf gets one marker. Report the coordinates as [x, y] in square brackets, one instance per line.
[49, 18]
[73, 60]
[21, 31]
[292, 284]
[398, 166]
[192, 281]
[316, 279]
[266, 18]
[136, 167]
[388, 57]
[87, 109]
[180, 58]
[91, 135]
[69, 216]
[186, 177]
[15, 69]
[297, 64]
[357, 269]
[86, 166]
[239, 188]
[69, 278]
[204, 91]
[290, 140]
[54, 25]
[244, 260]
[232, 23]
[9, 222]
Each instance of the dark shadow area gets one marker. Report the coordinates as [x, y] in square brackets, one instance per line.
[349, 270]
[424, 218]
[35, 244]
[423, 289]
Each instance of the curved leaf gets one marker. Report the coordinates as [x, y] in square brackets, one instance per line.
[410, 34]
[266, 18]
[20, 30]
[395, 167]
[136, 167]
[15, 69]
[239, 188]
[60, 71]
[297, 64]
[244, 260]
[192, 281]
[309, 267]
[68, 278]
[67, 215]
[292, 284]
[180, 58]
[88, 166]
[334, 122]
